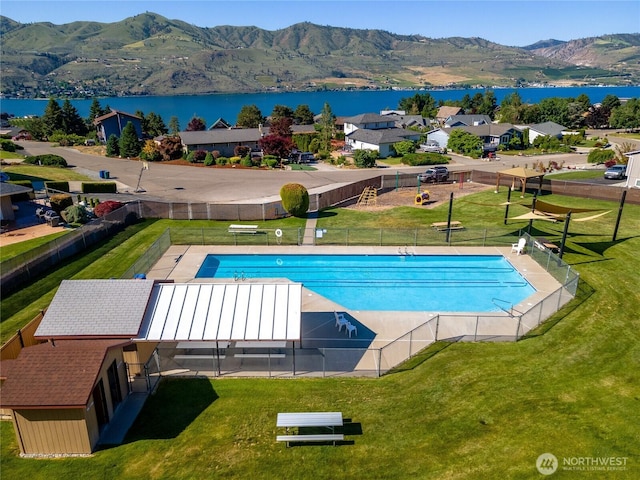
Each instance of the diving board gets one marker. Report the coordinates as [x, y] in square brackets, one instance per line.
[227, 312]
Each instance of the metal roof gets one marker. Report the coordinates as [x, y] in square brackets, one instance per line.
[221, 311]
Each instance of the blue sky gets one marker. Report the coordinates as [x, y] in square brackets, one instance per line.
[508, 22]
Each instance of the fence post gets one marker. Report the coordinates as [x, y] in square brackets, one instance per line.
[518, 327]
[437, 326]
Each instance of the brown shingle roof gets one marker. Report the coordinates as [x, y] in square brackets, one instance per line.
[47, 376]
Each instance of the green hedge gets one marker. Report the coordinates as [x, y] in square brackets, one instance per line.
[60, 186]
[47, 160]
[417, 159]
[99, 187]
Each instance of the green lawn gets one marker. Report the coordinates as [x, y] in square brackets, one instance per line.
[456, 411]
[576, 175]
[38, 173]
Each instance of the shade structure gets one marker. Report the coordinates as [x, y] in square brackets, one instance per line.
[520, 173]
[223, 311]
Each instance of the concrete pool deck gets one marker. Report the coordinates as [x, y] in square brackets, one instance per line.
[180, 263]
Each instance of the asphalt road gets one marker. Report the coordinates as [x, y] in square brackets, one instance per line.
[213, 185]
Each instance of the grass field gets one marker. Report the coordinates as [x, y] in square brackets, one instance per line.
[456, 411]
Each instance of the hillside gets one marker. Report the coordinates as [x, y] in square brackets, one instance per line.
[151, 55]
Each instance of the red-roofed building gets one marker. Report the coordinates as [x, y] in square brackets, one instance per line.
[63, 394]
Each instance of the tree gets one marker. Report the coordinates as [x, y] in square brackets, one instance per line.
[150, 151]
[72, 122]
[303, 115]
[420, 104]
[626, 116]
[170, 148]
[174, 125]
[465, 143]
[404, 147]
[276, 145]
[281, 127]
[250, 116]
[52, 117]
[196, 124]
[155, 125]
[129, 144]
[281, 111]
[113, 147]
[610, 102]
[95, 111]
[326, 126]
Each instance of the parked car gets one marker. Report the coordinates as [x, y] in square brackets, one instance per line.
[301, 157]
[434, 174]
[616, 172]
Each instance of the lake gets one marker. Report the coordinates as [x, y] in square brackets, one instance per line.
[343, 103]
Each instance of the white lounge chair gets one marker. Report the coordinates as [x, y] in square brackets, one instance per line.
[341, 321]
[519, 247]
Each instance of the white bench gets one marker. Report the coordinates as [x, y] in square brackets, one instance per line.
[325, 437]
[243, 229]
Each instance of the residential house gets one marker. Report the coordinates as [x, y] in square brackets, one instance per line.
[633, 169]
[114, 122]
[445, 112]
[544, 129]
[467, 120]
[220, 123]
[226, 140]
[370, 131]
[493, 135]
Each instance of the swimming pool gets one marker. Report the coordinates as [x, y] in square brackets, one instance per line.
[434, 283]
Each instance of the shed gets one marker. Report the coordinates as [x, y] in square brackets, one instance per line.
[6, 205]
[63, 394]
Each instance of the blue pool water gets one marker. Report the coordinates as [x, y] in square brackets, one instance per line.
[434, 283]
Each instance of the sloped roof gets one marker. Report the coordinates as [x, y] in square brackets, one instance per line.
[381, 136]
[521, 172]
[488, 130]
[367, 118]
[114, 113]
[548, 128]
[7, 189]
[96, 308]
[54, 376]
[446, 111]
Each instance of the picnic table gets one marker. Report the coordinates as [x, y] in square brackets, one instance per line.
[298, 420]
[454, 225]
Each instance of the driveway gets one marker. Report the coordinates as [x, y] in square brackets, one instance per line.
[212, 185]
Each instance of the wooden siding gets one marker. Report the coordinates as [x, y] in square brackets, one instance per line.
[137, 358]
[11, 349]
[55, 431]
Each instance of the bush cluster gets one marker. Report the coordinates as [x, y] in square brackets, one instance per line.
[59, 186]
[99, 187]
[600, 156]
[60, 201]
[106, 207]
[47, 160]
[7, 145]
[418, 159]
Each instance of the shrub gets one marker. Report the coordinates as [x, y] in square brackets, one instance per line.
[295, 199]
[113, 146]
[610, 163]
[60, 186]
[222, 161]
[60, 201]
[271, 163]
[241, 151]
[47, 160]
[209, 160]
[600, 156]
[246, 161]
[75, 214]
[365, 158]
[66, 140]
[106, 207]
[417, 159]
[404, 147]
[199, 156]
[234, 160]
[99, 187]
[7, 145]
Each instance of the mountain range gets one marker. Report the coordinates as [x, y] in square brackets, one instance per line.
[148, 54]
